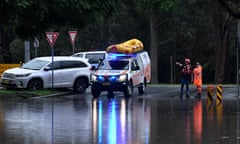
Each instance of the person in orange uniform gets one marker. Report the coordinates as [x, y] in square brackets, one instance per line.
[197, 79]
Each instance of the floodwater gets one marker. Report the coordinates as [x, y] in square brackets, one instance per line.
[77, 119]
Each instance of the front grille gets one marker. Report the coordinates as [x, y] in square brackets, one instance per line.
[8, 75]
[9, 85]
[108, 78]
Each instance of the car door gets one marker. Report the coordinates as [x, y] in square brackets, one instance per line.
[50, 71]
[135, 72]
[68, 71]
[63, 75]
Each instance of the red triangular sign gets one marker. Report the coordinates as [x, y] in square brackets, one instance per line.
[72, 35]
[52, 37]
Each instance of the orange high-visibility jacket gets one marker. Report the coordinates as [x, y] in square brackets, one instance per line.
[197, 75]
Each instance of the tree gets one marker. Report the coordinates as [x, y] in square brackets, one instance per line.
[231, 6]
[7, 37]
[221, 21]
[151, 10]
[7, 16]
[37, 16]
[28, 19]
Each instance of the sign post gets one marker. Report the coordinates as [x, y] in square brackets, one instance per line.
[27, 50]
[51, 38]
[237, 47]
[36, 45]
[72, 35]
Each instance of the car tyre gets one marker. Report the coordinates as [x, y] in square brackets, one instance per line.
[142, 88]
[35, 84]
[128, 91]
[80, 85]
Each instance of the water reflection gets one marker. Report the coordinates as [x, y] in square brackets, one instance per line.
[97, 120]
[119, 121]
[124, 122]
[23, 120]
[219, 111]
[112, 132]
[1, 115]
[197, 120]
[123, 117]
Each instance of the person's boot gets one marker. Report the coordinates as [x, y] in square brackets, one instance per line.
[187, 95]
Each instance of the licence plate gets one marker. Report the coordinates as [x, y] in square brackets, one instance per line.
[6, 81]
[106, 83]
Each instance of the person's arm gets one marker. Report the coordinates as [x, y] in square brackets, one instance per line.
[179, 64]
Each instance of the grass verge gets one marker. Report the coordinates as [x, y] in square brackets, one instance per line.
[28, 93]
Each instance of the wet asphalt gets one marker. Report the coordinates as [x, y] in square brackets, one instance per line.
[157, 117]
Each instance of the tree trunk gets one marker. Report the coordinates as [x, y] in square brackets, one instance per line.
[7, 38]
[222, 42]
[154, 47]
[221, 57]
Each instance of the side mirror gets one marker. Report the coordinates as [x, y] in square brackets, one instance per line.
[100, 61]
[21, 63]
[93, 68]
[47, 68]
[137, 68]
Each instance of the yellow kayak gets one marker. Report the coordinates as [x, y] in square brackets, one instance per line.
[127, 47]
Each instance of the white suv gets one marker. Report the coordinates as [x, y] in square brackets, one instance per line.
[39, 73]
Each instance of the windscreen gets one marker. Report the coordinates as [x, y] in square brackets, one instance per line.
[114, 65]
[35, 64]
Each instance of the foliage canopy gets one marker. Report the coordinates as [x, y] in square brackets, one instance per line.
[31, 17]
[198, 29]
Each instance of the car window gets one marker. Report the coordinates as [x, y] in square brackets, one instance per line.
[73, 64]
[78, 55]
[56, 65]
[145, 58]
[35, 64]
[68, 64]
[94, 57]
[134, 64]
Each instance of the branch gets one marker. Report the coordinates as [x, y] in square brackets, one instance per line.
[228, 9]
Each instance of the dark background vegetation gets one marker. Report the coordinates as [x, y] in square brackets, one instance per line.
[203, 30]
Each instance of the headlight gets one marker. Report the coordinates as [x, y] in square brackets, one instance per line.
[23, 75]
[122, 78]
[93, 78]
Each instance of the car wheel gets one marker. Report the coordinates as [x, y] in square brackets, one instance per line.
[128, 91]
[35, 84]
[95, 91]
[142, 88]
[80, 85]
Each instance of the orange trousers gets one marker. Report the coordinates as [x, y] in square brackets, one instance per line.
[197, 78]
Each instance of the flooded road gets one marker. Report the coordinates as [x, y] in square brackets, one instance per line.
[153, 118]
